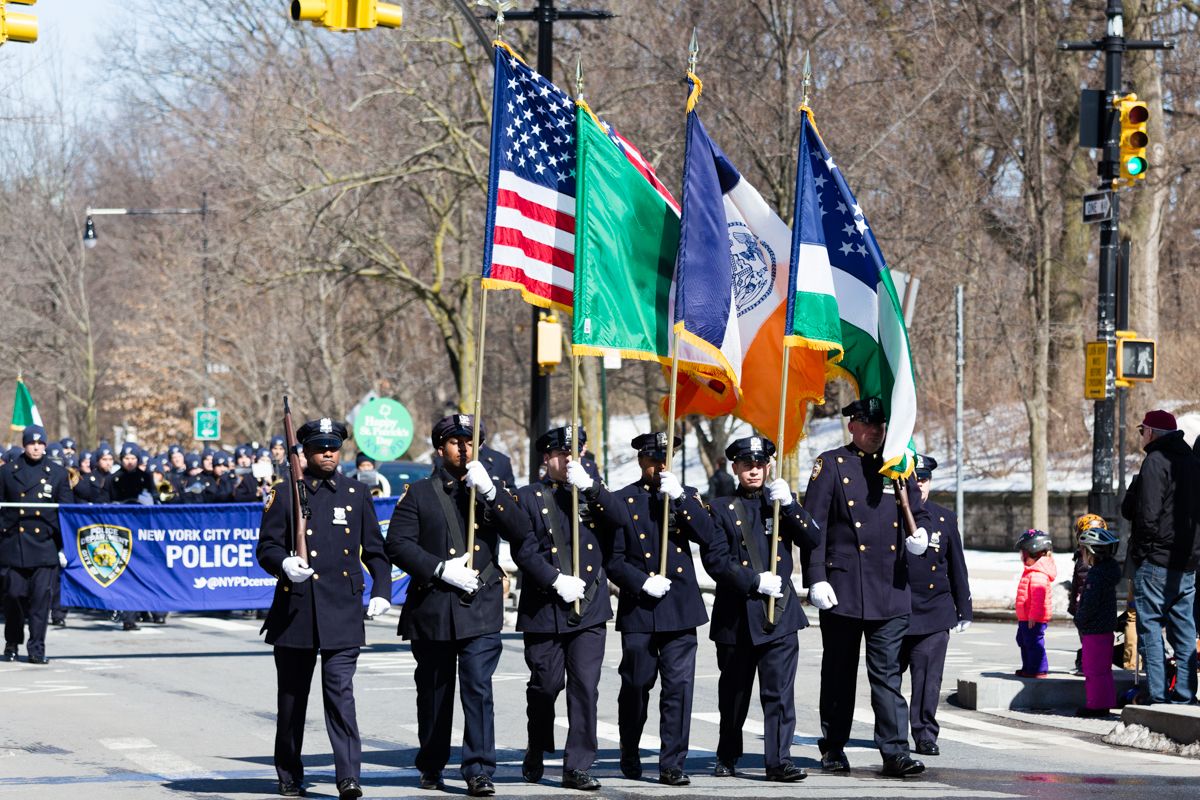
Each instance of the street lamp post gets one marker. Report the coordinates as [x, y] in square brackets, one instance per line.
[89, 241]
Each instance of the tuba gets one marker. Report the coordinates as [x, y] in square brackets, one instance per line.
[166, 491]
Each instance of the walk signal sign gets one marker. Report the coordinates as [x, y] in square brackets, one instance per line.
[17, 27]
[348, 15]
[1136, 359]
[1134, 117]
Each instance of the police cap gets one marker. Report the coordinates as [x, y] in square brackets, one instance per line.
[103, 450]
[868, 409]
[654, 445]
[923, 466]
[324, 432]
[277, 440]
[131, 449]
[67, 443]
[363, 458]
[559, 439]
[173, 449]
[192, 461]
[750, 448]
[452, 425]
[32, 434]
[221, 459]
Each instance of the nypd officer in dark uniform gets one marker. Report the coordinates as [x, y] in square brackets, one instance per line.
[31, 543]
[317, 607]
[562, 647]
[657, 614]
[747, 641]
[859, 581]
[131, 484]
[941, 602]
[454, 609]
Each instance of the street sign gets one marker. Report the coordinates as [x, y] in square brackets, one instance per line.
[206, 424]
[1097, 207]
[383, 429]
[1135, 359]
[1095, 371]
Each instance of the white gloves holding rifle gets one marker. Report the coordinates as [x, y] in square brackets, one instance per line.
[296, 569]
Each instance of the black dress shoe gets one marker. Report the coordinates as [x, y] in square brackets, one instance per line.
[673, 777]
[290, 789]
[631, 765]
[349, 788]
[724, 769]
[788, 773]
[10, 654]
[835, 761]
[129, 626]
[431, 780]
[532, 768]
[38, 660]
[161, 619]
[902, 767]
[480, 786]
[579, 779]
[58, 623]
[928, 747]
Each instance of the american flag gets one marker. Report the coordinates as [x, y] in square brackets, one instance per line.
[531, 194]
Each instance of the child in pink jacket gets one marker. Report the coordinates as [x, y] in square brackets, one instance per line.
[1033, 602]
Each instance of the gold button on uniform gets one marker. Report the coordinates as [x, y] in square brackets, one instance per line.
[641, 536]
[589, 567]
[315, 576]
[858, 524]
[850, 503]
[553, 549]
[345, 552]
[931, 586]
[934, 568]
[845, 480]
[635, 516]
[862, 547]
[745, 563]
[453, 552]
[893, 548]
[679, 569]
[649, 556]
[313, 553]
[589, 545]
[345, 574]
[477, 548]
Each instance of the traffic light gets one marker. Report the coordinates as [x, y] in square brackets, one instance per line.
[348, 15]
[1134, 138]
[17, 27]
[1136, 359]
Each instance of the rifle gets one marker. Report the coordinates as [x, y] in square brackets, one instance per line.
[300, 511]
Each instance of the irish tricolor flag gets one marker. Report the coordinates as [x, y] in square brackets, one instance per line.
[25, 411]
[840, 270]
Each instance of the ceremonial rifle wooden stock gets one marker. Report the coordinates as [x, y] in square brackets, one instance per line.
[299, 502]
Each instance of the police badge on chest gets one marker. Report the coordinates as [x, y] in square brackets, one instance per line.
[339, 515]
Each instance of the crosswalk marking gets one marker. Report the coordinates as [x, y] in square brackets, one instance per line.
[218, 624]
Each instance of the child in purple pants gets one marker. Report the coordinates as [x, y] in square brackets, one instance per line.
[1096, 617]
[1033, 602]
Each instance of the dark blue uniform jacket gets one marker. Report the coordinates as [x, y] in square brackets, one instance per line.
[30, 536]
[343, 536]
[941, 595]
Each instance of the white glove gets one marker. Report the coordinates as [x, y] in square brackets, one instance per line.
[578, 477]
[962, 625]
[918, 542]
[378, 606]
[262, 470]
[144, 498]
[478, 477]
[778, 490]
[657, 585]
[670, 485]
[457, 573]
[821, 595]
[62, 559]
[569, 587]
[770, 585]
[296, 569]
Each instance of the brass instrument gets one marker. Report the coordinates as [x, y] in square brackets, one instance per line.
[166, 491]
[73, 476]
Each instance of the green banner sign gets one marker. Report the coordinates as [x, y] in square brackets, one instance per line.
[206, 424]
[383, 429]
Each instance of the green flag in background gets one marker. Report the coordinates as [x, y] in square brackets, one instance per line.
[24, 410]
[626, 238]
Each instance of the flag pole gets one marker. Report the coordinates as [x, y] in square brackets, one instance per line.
[783, 382]
[575, 459]
[479, 340]
[662, 557]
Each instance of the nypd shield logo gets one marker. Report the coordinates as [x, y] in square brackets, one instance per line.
[104, 551]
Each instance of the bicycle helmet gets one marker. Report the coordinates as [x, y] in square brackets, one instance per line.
[1034, 542]
[1100, 541]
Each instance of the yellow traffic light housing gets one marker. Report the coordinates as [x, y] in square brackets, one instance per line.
[17, 27]
[1136, 359]
[348, 15]
[549, 342]
[1134, 116]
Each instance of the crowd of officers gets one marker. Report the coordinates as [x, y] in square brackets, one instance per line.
[899, 587]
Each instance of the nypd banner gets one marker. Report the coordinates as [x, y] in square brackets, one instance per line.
[175, 558]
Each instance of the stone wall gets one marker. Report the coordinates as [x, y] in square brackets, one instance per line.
[994, 520]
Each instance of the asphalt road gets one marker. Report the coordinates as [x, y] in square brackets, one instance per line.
[185, 710]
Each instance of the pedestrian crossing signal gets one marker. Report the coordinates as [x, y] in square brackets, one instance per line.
[17, 27]
[1134, 117]
[1136, 359]
[348, 15]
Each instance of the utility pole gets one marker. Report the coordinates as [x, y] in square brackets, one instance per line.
[1104, 131]
[546, 14]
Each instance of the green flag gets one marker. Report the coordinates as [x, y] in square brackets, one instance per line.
[25, 411]
[626, 238]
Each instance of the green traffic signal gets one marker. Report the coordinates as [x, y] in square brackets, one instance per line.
[1135, 166]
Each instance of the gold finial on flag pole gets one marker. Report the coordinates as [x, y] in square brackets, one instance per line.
[693, 52]
[806, 86]
[578, 76]
[499, 6]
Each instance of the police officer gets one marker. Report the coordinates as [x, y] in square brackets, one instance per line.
[93, 485]
[860, 584]
[657, 614]
[453, 612]
[747, 641]
[317, 607]
[131, 484]
[31, 544]
[941, 602]
[562, 646]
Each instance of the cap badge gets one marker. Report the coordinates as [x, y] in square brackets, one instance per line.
[326, 425]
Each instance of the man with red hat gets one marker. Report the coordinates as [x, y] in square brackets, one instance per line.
[1163, 503]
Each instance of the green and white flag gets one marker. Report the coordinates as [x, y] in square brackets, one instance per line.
[25, 411]
[626, 239]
